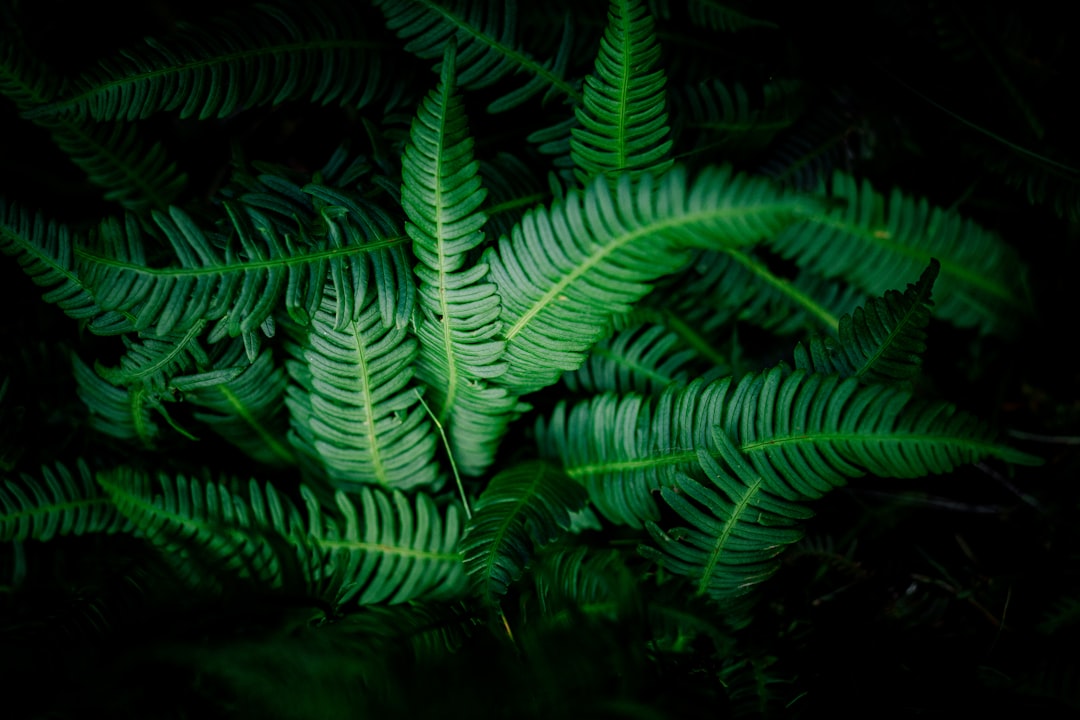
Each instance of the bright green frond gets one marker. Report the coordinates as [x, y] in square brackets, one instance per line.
[524, 507]
[881, 342]
[317, 52]
[870, 241]
[354, 401]
[624, 118]
[57, 503]
[565, 271]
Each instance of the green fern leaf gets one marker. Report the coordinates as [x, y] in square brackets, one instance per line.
[57, 504]
[736, 528]
[317, 52]
[644, 359]
[623, 116]
[385, 548]
[46, 253]
[525, 506]
[881, 342]
[869, 242]
[354, 403]
[488, 48]
[459, 321]
[122, 413]
[565, 271]
[805, 433]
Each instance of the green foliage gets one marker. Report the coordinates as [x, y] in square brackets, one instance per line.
[308, 420]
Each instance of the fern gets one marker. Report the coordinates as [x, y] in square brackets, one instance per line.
[61, 503]
[524, 506]
[624, 123]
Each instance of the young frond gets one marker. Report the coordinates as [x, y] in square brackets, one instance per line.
[524, 507]
[565, 271]
[880, 342]
[313, 51]
[624, 119]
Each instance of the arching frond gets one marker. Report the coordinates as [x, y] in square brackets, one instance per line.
[57, 503]
[46, 253]
[881, 342]
[123, 413]
[712, 116]
[488, 45]
[524, 507]
[805, 433]
[354, 401]
[458, 325]
[623, 117]
[315, 51]
[870, 241]
[644, 359]
[565, 271]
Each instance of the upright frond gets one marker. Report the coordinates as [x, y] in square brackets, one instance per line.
[624, 118]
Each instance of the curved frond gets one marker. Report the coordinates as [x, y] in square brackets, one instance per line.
[386, 548]
[488, 46]
[57, 503]
[354, 402]
[710, 116]
[458, 325]
[881, 342]
[46, 253]
[623, 117]
[805, 433]
[565, 271]
[524, 507]
[644, 359]
[123, 413]
[315, 51]
[869, 241]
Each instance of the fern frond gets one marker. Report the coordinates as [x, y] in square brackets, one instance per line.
[719, 117]
[644, 359]
[805, 433]
[317, 52]
[488, 47]
[354, 402]
[869, 241]
[512, 189]
[565, 271]
[384, 548]
[155, 360]
[122, 413]
[736, 526]
[58, 503]
[204, 528]
[459, 322]
[881, 342]
[623, 117]
[46, 253]
[247, 408]
[580, 582]
[524, 507]
[722, 17]
[240, 279]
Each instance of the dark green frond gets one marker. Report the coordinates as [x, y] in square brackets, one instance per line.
[524, 507]
[458, 324]
[247, 409]
[239, 278]
[512, 189]
[565, 271]
[722, 17]
[46, 252]
[123, 413]
[869, 241]
[581, 582]
[624, 118]
[644, 359]
[736, 526]
[318, 52]
[57, 503]
[711, 116]
[354, 401]
[881, 342]
[155, 361]
[488, 46]
[384, 548]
